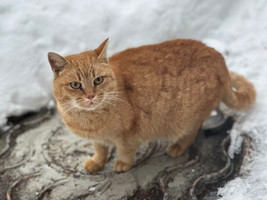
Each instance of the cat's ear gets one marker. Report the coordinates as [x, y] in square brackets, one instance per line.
[101, 52]
[57, 62]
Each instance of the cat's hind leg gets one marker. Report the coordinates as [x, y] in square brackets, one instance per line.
[182, 144]
[99, 159]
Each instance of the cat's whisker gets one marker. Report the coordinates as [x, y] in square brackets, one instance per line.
[97, 99]
[112, 97]
[80, 100]
[111, 93]
[108, 102]
[114, 92]
[66, 105]
[67, 110]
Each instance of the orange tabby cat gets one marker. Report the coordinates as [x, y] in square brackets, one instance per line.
[165, 91]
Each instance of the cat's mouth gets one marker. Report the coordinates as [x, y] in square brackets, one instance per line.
[87, 104]
[98, 101]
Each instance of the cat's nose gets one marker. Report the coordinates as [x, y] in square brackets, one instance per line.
[90, 96]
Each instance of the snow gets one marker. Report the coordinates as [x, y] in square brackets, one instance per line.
[246, 42]
[28, 30]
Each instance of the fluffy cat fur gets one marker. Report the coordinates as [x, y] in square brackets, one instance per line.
[164, 90]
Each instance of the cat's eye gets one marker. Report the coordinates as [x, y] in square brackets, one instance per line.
[98, 80]
[76, 85]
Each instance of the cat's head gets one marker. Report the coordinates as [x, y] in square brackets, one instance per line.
[83, 81]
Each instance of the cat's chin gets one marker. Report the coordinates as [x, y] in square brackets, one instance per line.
[89, 107]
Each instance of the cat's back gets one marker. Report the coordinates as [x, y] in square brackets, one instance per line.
[159, 66]
[170, 57]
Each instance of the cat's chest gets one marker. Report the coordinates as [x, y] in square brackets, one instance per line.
[86, 126]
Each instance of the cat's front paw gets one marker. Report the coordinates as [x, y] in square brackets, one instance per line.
[175, 150]
[121, 166]
[91, 166]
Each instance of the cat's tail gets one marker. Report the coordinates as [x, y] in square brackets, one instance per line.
[241, 94]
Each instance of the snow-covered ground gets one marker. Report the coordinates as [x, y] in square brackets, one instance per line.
[238, 29]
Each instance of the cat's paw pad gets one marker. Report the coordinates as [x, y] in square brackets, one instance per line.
[91, 166]
[121, 166]
[175, 150]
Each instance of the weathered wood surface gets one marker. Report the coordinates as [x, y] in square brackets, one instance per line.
[41, 159]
